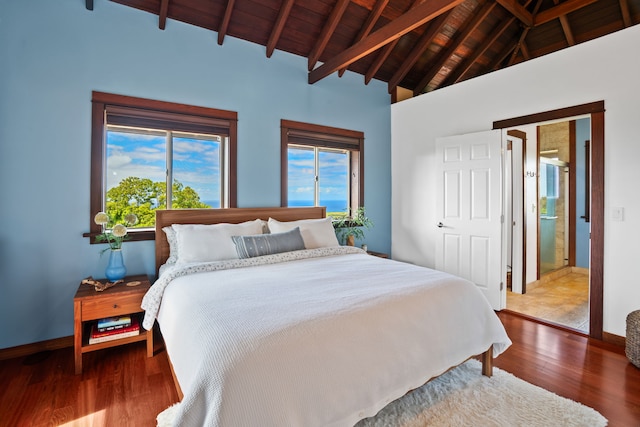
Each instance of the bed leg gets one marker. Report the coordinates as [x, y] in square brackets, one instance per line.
[487, 362]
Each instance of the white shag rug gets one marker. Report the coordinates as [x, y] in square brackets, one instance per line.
[463, 397]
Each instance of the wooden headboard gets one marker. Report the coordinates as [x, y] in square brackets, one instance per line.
[231, 215]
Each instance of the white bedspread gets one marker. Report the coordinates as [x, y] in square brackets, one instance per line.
[322, 341]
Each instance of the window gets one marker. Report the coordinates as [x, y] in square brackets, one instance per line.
[322, 166]
[149, 155]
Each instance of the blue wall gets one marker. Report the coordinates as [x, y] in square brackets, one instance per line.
[583, 228]
[55, 53]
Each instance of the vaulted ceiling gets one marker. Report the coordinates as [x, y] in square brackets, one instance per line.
[419, 45]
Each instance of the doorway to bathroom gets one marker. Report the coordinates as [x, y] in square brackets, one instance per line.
[557, 281]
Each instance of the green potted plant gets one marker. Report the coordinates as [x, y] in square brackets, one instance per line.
[351, 227]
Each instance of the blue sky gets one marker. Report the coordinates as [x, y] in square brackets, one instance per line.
[333, 175]
[196, 162]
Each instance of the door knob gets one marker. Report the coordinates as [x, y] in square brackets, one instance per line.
[440, 225]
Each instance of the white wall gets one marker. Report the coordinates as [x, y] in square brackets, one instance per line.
[592, 71]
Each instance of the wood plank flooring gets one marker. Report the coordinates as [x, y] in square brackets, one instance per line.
[119, 386]
[122, 387]
[574, 366]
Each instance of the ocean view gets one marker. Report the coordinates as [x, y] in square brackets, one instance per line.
[331, 205]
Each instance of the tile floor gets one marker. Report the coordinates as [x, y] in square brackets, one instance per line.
[561, 298]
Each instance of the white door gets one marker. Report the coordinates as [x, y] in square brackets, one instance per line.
[469, 205]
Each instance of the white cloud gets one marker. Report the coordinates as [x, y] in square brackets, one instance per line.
[118, 161]
[115, 175]
[303, 190]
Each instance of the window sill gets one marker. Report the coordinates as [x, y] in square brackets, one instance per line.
[135, 236]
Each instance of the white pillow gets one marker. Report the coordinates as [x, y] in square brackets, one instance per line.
[173, 244]
[316, 233]
[206, 243]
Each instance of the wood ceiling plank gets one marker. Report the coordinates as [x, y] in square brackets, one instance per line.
[368, 25]
[566, 27]
[521, 42]
[418, 49]
[283, 14]
[407, 22]
[476, 19]
[367, 4]
[327, 32]
[460, 71]
[373, 17]
[560, 10]
[566, 22]
[384, 53]
[162, 15]
[502, 56]
[379, 61]
[517, 10]
[222, 31]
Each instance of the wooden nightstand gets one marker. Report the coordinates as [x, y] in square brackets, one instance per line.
[90, 305]
[378, 254]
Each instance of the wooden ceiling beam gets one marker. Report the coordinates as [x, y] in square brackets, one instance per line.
[373, 17]
[283, 15]
[397, 28]
[224, 26]
[518, 10]
[418, 49]
[327, 32]
[559, 10]
[443, 56]
[384, 53]
[500, 58]
[508, 49]
[460, 71]
[520, 47]
[162, 15]
[521, 41]
[566, 28]
[381, 59]
[626, 15]
[524, 48]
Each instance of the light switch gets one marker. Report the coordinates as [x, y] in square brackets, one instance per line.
[617, 214]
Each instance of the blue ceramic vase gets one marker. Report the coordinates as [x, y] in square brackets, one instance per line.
[115, 268]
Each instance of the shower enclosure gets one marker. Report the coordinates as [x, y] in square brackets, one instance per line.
[554, 215]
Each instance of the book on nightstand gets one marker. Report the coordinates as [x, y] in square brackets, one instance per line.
[112, 322]
[98, 336]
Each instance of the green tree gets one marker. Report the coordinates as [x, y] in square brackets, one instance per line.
[186, 197]
[142, 197]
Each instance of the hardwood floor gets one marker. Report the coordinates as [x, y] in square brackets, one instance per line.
[574, 366]
[122, 387]
[118, 387]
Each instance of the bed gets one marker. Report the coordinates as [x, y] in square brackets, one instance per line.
[322, 335]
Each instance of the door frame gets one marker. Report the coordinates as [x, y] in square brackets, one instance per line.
[596, 262]
[521, 217]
